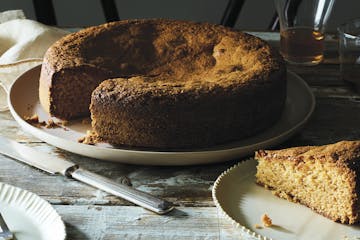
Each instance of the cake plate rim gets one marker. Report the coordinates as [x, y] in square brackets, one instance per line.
[23, 101]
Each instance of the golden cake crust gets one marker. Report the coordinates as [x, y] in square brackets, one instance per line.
[343, 153]
[172, 42]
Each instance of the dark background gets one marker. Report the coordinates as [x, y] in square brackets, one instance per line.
[255, 15]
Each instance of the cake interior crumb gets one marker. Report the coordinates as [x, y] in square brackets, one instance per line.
[266, 220]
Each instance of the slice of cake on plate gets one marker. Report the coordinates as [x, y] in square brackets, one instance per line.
[324, 178]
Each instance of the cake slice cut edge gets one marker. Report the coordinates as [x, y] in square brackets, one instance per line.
[323, 178]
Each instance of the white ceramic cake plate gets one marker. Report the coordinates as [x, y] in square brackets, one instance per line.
[28, 216]
[24, 102]
[243, 202]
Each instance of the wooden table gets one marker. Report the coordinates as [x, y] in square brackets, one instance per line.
[92, 214]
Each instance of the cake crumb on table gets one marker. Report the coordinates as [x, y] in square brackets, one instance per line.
[125, 180]
[266, 220]
[258, 226]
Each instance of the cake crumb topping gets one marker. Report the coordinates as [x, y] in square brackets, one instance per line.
[266, 220]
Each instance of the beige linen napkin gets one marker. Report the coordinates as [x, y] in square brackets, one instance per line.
[23, 44]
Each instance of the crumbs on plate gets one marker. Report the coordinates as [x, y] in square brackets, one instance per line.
[266, 220]
[51, 124]
[35, 121]
[91, 138]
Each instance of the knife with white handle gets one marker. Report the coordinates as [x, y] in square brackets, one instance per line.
[56, 165]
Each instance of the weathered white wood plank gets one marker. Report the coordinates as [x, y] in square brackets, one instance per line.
[9, 128]
[335, 118]
[339, 92]
[127, 222]
[182, 185]
[326, 75]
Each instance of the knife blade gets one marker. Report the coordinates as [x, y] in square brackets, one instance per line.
[56, 165]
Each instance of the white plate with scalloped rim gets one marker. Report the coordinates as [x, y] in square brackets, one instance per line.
[24, 101]
[28, 216]
[243, 202]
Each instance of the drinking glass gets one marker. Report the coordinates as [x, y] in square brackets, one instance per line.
[302, 26]
[349, 52]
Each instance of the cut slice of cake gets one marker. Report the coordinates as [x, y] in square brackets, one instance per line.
[324, 178]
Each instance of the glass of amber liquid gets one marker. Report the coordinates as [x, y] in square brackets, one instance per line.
[302, 27]
[349, 52]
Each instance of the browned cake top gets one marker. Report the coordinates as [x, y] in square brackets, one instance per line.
[347, 152]
[167, 54]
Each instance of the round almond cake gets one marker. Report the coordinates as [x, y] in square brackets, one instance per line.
[165, 84]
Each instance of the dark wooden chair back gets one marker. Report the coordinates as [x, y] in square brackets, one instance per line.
[45, 13]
